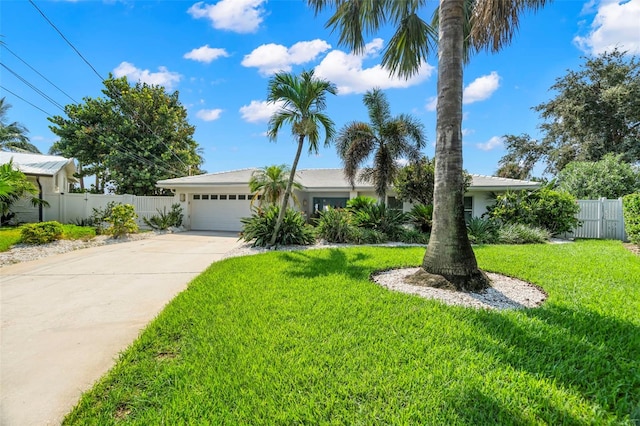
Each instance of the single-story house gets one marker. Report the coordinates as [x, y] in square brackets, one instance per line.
[51, 174]
[217, 201]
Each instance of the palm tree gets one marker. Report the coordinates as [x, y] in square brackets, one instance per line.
[303, 99]
[388, 138]
[14, 185]
[269, 184]
[462, 26]
[13, 135]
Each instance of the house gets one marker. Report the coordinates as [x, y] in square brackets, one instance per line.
[217, 201]
[51, 174]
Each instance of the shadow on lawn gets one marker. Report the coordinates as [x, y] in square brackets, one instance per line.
[582, 350]
[329, 262]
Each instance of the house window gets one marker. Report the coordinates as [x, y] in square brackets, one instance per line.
[394, 204]
[205, 196]
[232, 197]
[196, 196]
[242, 197]
[223, 197]
[214, 196]
[468, 208]
[322, 204]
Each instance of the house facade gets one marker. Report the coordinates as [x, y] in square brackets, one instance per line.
[217, 201]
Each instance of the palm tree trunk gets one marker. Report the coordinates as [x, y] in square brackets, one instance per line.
[287, 192]
[449, 252]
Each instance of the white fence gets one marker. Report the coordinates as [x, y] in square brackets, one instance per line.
[70, 208]
[600, 219]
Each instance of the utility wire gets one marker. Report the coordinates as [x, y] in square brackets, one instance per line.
[38, 72]
[34, 88]
[20, 97]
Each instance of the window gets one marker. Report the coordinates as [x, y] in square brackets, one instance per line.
[223, 197]
[232, 197]
[205, 196]
[468, 208]
[242, 197]
[214, 196]
[394, 204]
[196, 196]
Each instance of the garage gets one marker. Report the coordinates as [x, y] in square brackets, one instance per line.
[219, 212]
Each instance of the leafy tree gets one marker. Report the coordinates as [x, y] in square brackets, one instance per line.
[596, 112]
[631, 212]
[513, 171]
[387, 138]
[303, 99]
[15, 185]
[269, 184]
[463, 26]
[13, 136]
[415, 181]
[130, 139]
[610, 177]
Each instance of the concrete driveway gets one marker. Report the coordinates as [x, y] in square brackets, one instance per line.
[66, 317]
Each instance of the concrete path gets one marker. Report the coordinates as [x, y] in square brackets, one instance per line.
[66, 317]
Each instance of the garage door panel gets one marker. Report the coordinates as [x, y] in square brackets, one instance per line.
[218, 215]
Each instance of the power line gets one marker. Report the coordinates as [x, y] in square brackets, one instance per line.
[34, 88]
[65, 39]
[38, 72]
[20, 97]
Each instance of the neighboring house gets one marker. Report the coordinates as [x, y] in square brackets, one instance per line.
[51, 174]
[217, 201]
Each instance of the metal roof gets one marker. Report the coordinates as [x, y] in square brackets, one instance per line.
[38, 164]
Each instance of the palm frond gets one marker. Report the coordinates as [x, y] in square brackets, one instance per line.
[410, 45]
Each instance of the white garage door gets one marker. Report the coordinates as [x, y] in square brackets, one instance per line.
[219, 212]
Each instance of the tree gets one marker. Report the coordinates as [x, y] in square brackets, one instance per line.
[303, 99]
[463, 26]
[596, 112]
[269, 184]
[610, 178]
[13, 136]
[387, 138]
[130, 139]
[14, 185]
[415, 181]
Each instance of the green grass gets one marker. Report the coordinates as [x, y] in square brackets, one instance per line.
[306, 338]
[11, 235]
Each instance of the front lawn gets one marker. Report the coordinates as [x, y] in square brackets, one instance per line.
[306, 338]
[10, 236]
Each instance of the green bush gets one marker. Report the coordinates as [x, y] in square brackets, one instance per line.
[360, 202]
[368, 236]
[482, 230]
[631, 212]
[122, 220]
[414, 236]
[165, 220]
[544, 208]
[421, 216]
[41, 233]
[99, 217]
[294, 230]
[378, 217]
[334, 226]
[516, 233]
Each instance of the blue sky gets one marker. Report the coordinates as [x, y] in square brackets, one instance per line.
[220, 54]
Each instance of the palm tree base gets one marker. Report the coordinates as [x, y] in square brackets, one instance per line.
[474, 282]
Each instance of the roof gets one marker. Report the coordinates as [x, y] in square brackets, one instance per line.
[38, 164]
[326, 179]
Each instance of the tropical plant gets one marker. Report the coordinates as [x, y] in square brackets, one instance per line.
[369, 236]
[360, 202]
[421, 216]
[13, 136]
[259, 228]
[518, 233]
[380, 218]
[122, 220]
[269, 184]
[334, 226]
[463, 26]
[414, 236]
[303, 100]
[631, 213]
[41, 233]
[386, 138]
[99, 217]
[482, 230]
[15, 185]
[165, 220]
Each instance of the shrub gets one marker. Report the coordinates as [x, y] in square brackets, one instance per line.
[122, 220]
[631, 212]
[360, 202]
[545, 208]
[421, 216]
[482, 230]
[379, 218]
[516, 233]
[41, 233]
[164, 220]
[368, 236]
[100, 215]
[334, 226]
[259, 228]
[414, 236]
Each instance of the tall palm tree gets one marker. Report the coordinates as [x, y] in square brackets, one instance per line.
[269, 184]
[387, 138]
[303, 100]
[13, 136]
[462, 26]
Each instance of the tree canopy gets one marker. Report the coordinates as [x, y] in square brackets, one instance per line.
[13, 135]
[130, 139]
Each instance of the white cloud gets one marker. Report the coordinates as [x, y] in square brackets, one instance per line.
[206, 54]
[481, 88]
[258, 111]
[163, 77]
[615, 25]
[467, 132]
[209, 114]
[432, 103]
[493, 143]
[347, 72]
[271, 58]
[241, 16]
